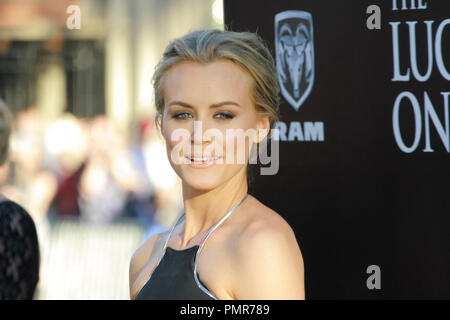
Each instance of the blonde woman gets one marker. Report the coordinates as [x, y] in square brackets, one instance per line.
[226, 244]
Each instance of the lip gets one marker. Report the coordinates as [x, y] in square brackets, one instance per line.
[201, 164]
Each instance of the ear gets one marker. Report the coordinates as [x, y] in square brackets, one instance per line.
[262, 128]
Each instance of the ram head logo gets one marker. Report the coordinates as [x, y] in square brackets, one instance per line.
[294, 48]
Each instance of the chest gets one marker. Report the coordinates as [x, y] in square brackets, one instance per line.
[174, 276]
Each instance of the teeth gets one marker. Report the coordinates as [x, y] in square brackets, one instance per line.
[203, 159]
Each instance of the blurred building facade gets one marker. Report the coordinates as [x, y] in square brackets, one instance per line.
[83, 147]
[104, 67]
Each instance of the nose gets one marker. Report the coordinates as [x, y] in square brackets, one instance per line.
[198, 136]
[197, 132]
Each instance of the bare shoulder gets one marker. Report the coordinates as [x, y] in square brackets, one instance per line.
[265, 226]
[142, 254]
[268, 259]
[139, 260]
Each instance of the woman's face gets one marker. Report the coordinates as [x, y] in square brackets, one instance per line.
[208, 114]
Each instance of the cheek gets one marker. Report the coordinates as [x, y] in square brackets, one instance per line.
[177, 142]
[237, 140]
[172, 133]
[167, 134]
[236, 147]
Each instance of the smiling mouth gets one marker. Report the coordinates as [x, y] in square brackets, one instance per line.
[202, 159]
[201, 162]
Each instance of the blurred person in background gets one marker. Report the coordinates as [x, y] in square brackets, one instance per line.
[28, 182]
[19, 245]
[141, 198]
[108, 177]
[66, 144]
[224, 80]
[160, 182]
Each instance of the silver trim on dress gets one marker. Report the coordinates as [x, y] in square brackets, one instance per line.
[202, 243]
[205, 290]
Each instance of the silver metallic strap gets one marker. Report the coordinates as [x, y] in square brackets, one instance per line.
[202, 243]
[168, 237]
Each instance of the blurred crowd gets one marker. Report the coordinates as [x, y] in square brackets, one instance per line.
[86, 169]
[76, 172]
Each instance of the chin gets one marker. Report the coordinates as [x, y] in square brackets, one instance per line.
[201, 181]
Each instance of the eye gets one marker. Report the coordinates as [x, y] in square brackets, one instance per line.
[224, 115]
[181, 115]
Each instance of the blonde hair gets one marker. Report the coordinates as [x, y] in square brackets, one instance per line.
[246, 49]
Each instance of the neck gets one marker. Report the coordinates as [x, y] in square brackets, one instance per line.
[203, 209]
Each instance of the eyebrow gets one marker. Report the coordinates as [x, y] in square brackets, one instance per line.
[214, 105]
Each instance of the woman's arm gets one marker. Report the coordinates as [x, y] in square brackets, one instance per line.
[269, 264]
